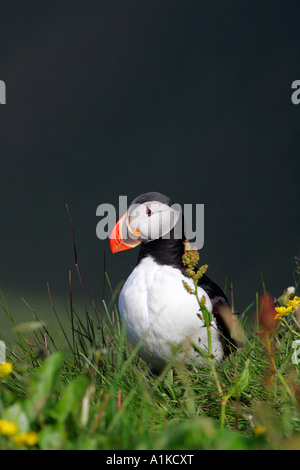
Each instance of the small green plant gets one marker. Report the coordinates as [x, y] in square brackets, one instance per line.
[190, 260]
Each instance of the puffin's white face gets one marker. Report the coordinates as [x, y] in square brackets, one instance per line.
[146, 222]
[152, 220]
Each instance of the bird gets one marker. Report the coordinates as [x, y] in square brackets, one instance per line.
[158, 312]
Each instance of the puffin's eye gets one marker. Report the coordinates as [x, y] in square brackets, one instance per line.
[148, 212]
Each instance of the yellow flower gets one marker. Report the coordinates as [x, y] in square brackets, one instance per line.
[5, 369]
[295, 303]
[282, 312]
[259, 430]
[29, 438]
[7, 428]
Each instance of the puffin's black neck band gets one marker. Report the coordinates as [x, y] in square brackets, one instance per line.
[164, 251]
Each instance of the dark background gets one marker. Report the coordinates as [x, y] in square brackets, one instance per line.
[109, 98]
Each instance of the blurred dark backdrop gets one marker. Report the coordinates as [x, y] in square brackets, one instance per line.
[120, 97]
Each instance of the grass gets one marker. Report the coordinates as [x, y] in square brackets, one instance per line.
[96, 393]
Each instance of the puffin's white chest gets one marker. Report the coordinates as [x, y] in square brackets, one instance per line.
[155, 306]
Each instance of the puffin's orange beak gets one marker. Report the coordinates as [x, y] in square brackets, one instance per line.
[121, 238]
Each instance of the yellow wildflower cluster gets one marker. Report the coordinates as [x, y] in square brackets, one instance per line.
[29, 438]
[291, 305]
[8, 428]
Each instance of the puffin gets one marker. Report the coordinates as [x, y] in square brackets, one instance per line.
[158, 312]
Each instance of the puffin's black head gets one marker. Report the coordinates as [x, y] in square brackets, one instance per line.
[152, 219]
